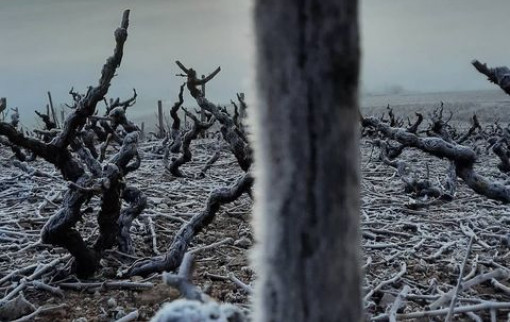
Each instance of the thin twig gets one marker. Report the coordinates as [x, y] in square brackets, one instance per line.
[459, 280]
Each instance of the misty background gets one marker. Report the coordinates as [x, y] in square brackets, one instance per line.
[408, 46]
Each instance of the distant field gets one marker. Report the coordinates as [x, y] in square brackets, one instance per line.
[488, 105]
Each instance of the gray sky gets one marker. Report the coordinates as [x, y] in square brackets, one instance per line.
[424, 45]
[428, 45]
[55, 44]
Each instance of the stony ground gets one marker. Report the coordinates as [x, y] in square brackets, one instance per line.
[419, 251]
[27, 201]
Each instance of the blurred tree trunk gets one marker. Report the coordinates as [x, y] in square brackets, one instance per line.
[307, 166]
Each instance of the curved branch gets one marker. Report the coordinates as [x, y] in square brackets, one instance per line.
[188, 137]
[176, 124]
[474, 127]
[48, 123]
[181, 66]
[175, 254]
[463, 157]
[211, 161]
[209, 77]
[231, 134]
[498, 75]
[413, 128]
[39, 148]
[87, 105]
[124, 104]
[110, 207]
[137, 202]
[175, 134]
[59, 229]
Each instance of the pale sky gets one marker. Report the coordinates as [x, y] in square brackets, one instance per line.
[427, 45]
[421, 45]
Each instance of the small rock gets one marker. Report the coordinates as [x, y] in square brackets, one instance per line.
[243, 242]
[386, 300]
[82, 319]
[505, 240]
[154, 200]
[232, 297]
[103, 317]
[109, 272]
[119, 313]
[207, 288]
[97, 294]
[420, 268]
[15, 308]
[245, 233]
[483, 223]
[163, 206]
[185, 310]
[111, 303]
[247, 270]
[452, 268]
[45, 254]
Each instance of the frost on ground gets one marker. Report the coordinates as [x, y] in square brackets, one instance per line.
[187, 311]
[412, 258]
[28, 197]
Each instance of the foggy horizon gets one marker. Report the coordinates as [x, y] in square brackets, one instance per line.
[424, 46]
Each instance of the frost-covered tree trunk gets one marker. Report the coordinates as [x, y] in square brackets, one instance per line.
[307, 167]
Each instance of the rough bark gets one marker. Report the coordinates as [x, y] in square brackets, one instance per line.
[88, 136]
[497, 75]
[48, 123]
[127, 153]
[439, 127]
[87, 158]
[18, 153]
[463, 157]
[59, 230]
[15, 117]
[98, 130]
[87, 105]
[451, 181]
[175, 132]
[110, 207]
[242, 105]
[193, 81]
[117, 103]
[137, 202]
[414, 127]
[3, 107]
[474, 126]
[43, 150]
[192, 134]
[238, 144]
[306, 136]
[501, 150]
[418, 187]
